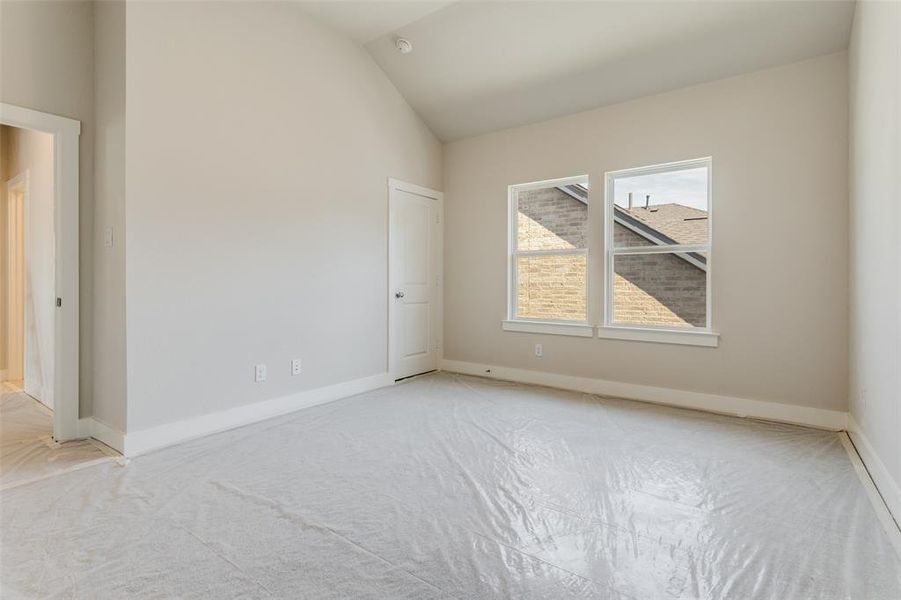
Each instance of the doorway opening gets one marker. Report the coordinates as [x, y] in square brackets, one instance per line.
[39, 219]
[29, 447]
[28, 273]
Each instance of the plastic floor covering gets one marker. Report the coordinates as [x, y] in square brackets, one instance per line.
[27, 449]
[448, 486]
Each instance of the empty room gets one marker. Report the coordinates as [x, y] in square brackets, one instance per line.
[463, 299]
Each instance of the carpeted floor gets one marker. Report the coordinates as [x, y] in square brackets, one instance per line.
[448, 486]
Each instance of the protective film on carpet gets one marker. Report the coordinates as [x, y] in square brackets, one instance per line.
[27, 449]
[448, 486]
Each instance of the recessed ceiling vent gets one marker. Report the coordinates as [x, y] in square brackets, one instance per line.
[403, 45]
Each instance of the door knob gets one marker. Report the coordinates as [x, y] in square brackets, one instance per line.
[398, 294]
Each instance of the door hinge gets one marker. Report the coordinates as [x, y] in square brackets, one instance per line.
[59, 302]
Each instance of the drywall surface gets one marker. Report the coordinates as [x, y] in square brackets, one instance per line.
[778, 139]
[876, 236]
[46, 64]
[109, 401]
[31, 158]
[259, 144]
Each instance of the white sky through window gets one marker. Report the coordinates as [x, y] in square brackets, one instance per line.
[687, 187]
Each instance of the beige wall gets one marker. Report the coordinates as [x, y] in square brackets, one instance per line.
[4, 152]
[259, 145]
[778, 139]
[876, 235]
[4, 175]
[109, 397]
[46, 64]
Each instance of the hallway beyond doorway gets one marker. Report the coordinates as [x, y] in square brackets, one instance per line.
[27, 450]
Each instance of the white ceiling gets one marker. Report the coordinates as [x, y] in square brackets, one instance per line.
[366, 20]
[482, 66]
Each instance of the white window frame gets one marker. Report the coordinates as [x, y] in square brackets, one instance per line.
[698, 336]
[531, 325]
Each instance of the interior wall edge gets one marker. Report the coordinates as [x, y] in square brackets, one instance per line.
[875, 248]
[108, 389]
[740, 407]
[886, 485]
[91, 427]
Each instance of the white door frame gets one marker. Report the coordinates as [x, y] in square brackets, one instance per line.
[394, 186]
[65, 134]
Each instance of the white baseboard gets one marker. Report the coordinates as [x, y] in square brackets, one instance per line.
[145, 440]
[885, 483]
[742, 407]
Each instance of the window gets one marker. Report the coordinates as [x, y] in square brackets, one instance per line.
[549, 252]
[654, 283]
[658, 247]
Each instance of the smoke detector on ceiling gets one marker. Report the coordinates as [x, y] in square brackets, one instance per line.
[403, 45]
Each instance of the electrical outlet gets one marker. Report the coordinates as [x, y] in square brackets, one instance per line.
[295, 367]
[108, 237]
[539, 350]
[259, 373]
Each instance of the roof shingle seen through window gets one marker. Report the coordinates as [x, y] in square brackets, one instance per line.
[682, 224]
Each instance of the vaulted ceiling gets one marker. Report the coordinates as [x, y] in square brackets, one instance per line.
[481, 66]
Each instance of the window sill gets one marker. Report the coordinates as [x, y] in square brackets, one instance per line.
[548, 327]
[662, 336]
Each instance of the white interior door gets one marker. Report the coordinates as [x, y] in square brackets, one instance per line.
[414, 275]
